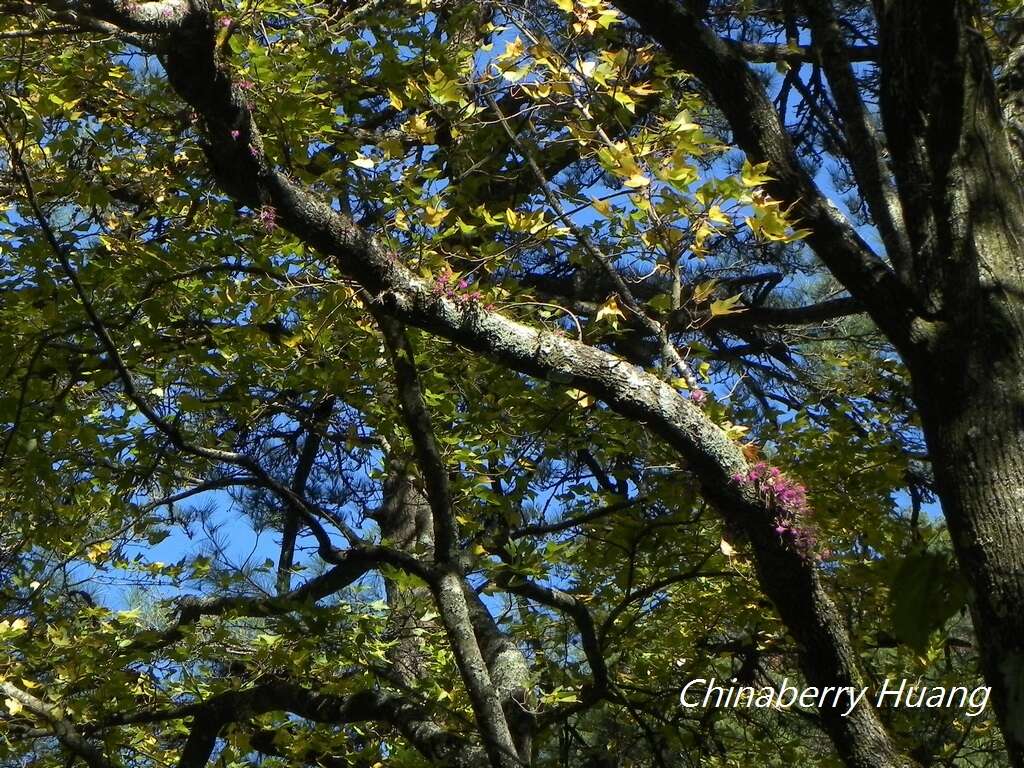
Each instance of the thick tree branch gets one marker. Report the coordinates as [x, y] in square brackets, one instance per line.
[795, 55]
[789, 578]
[776, 317]
[190, 610]
[757, 129]
[866, 153]
[448, 586]
[310, 448]
[428, 452]
[63, 729]
[575, 608]
[211, 715]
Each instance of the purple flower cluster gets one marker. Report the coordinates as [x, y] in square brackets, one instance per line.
[788, 499]
[447, 286]
[698, 396]
[267, 218]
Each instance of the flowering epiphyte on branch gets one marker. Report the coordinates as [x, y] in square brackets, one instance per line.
[447, 285]
[789, 501]
[267, 218]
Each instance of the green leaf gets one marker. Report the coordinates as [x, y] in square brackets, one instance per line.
[927, 591]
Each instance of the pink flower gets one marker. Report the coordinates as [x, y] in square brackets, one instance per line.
[246, 85]
[788, 499]
[235, 134]
[698, 396]
[267, 217]
[225, 21]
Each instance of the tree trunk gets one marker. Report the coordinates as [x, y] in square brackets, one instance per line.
[961, 192]
[979, 464]
[973, 414]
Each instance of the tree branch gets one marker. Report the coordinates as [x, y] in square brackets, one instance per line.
[63, 729]
[310, 449]
[190, 610]
[428, 453]
[769, 53]
[448, 586]
[789, 578]
[757, 129]
[866, 154]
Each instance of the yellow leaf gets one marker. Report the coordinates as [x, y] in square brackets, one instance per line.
[434, 216]
[418, 126]
[13, 706]
[702, 292]
[727, 306]
[362, 161]
[96, 552]
[716, 215]
[637, 180]
[396, 100]
[754, 175]
[727, 548]
[644, 89]
[442, 89]
[625, 100]
[582, 399]
[603, 207]
[565, 5]
[734, 431]
[682, 123]
[610, 307]
[516, 74]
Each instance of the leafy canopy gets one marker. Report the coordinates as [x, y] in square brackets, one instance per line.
[218, 492]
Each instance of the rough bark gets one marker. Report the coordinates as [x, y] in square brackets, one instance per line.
[957, 173]
[789, 580]
[492, 669]
[236, 159]
[404, 520]
[291, 527]
[739, 92]
[957, 314]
